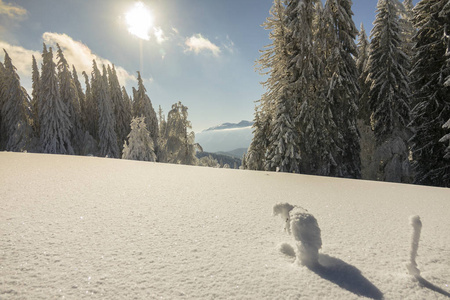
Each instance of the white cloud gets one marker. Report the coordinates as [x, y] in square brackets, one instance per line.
[21, 58]
[159, 35]
[197, 43]
[81, 56]
[12, 10]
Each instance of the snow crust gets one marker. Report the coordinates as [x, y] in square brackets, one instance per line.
[88, 228]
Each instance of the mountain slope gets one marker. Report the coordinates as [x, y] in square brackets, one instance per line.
[85, 227]
[226, 137]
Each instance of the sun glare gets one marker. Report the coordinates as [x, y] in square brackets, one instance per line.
[139, 20]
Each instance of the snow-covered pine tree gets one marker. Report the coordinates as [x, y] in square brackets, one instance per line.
[142, 106]
[363, 70]
[140, 144]
[106, 121]
[389, 95]
[35, 96]
[69, 95]
[81, 96]
[90, 117]
[341, 149]
[2, 127]
[446, 138]
[367, 140]
[180, 146]
[162, 136]
[407, 28]
[255, 156]
[273, 62]
[54, 119]
[304, 79]
[127, 101]
[283, 152]
[16, 112]
[121, 112]
[432, 108]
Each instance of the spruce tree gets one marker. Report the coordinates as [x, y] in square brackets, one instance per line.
[180, 146]
[255, 156]
[54, 119]
[341, 149]
[304, 80]
[2, 127]
[140, 144]
[389, 95]
[69, 95]
[121, 110]
[106, 122]
[432, 108]
[16, 112]
[363, 70]
[90, 116]
[162, 136]
[81, 97]
[142, 106]
[283, 150]
[273, 62]
[35, 96]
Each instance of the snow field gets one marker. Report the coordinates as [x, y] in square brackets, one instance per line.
[84, 227]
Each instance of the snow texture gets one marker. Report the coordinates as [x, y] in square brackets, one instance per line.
[95, 228]
[417, 227]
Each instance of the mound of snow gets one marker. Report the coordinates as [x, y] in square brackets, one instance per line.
[85, 227]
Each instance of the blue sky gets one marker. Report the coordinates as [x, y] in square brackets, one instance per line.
[200, 52]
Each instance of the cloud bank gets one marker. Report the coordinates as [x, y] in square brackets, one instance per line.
[76, 53]
[81, 56]
[197, 43]
[21, 58]
[12, 10]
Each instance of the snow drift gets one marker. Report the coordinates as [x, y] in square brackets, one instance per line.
[91, 228]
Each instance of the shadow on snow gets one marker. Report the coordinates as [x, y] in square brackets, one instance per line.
[346, 276]
[431, 286]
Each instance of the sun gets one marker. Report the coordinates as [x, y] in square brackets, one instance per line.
[139, 20]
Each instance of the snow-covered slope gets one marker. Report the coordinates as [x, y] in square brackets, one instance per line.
[85, 227]
[226, 137]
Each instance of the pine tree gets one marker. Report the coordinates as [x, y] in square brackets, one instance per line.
[446, 138]
[283, 150]
[432, 108]
[127, 101]
[90, 116]
[16, 112]
[2, 87]
[255, 157]
[180, 146]
[363, 70]
[341, 149]
[140, 144]
[304, 80]
[407, 28]
[106, 122]
[389, 95]
[54, 119]
[142, 106]
[273, 62]
[81, 97]
[162, 136]
[69, 95]
[121, 112]
[35, 96]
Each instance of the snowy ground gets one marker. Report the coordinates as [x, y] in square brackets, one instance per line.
[83, 227]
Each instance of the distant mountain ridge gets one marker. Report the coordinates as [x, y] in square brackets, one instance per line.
[226, 137]
[241, 124]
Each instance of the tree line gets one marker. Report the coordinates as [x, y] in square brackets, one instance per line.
[101, 120]
[336, 107]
